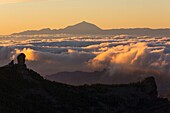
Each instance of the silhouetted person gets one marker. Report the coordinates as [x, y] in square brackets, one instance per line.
[21, 59]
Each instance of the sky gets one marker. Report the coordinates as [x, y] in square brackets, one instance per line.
[20, 15]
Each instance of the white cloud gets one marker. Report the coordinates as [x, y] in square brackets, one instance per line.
[138, 55]
[127, 58]
[68, 53]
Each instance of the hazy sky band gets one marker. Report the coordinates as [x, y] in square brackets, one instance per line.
[19, 15]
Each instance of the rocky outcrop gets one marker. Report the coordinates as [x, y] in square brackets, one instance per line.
[24, 91]
[21, 59]
[20, 64]
[149, 86]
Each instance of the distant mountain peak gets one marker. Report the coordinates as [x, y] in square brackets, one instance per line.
[83, 27]
[84, 22]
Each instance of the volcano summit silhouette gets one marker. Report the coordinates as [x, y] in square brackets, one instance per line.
[89, 28]
[81, 28]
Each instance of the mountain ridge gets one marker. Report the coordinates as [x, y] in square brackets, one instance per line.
[23, 90]
[89, 28]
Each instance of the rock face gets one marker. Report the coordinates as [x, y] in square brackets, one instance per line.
[149, 86]
[24, 91]
[21, 59]
[11, 63]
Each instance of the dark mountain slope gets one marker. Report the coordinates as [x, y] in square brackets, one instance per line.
[104, 77]
[25, 91]
[77, 77]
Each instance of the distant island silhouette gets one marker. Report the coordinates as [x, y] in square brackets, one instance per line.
[89, 28]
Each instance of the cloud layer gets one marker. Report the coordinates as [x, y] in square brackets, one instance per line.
[49, 54]
[128, 58]
[138, 54]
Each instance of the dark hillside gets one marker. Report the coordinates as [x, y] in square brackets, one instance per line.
[24, 91]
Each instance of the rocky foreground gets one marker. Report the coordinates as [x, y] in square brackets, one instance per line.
[25, 91]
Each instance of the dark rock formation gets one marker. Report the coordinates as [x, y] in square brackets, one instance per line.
[24, 91]
[21, 59]
[149, 86]
[11, 63]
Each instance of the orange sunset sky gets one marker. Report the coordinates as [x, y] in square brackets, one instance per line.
[20, 15]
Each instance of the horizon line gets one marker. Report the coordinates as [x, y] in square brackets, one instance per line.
[118, 28]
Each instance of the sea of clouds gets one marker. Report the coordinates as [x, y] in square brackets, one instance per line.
[49, 54]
